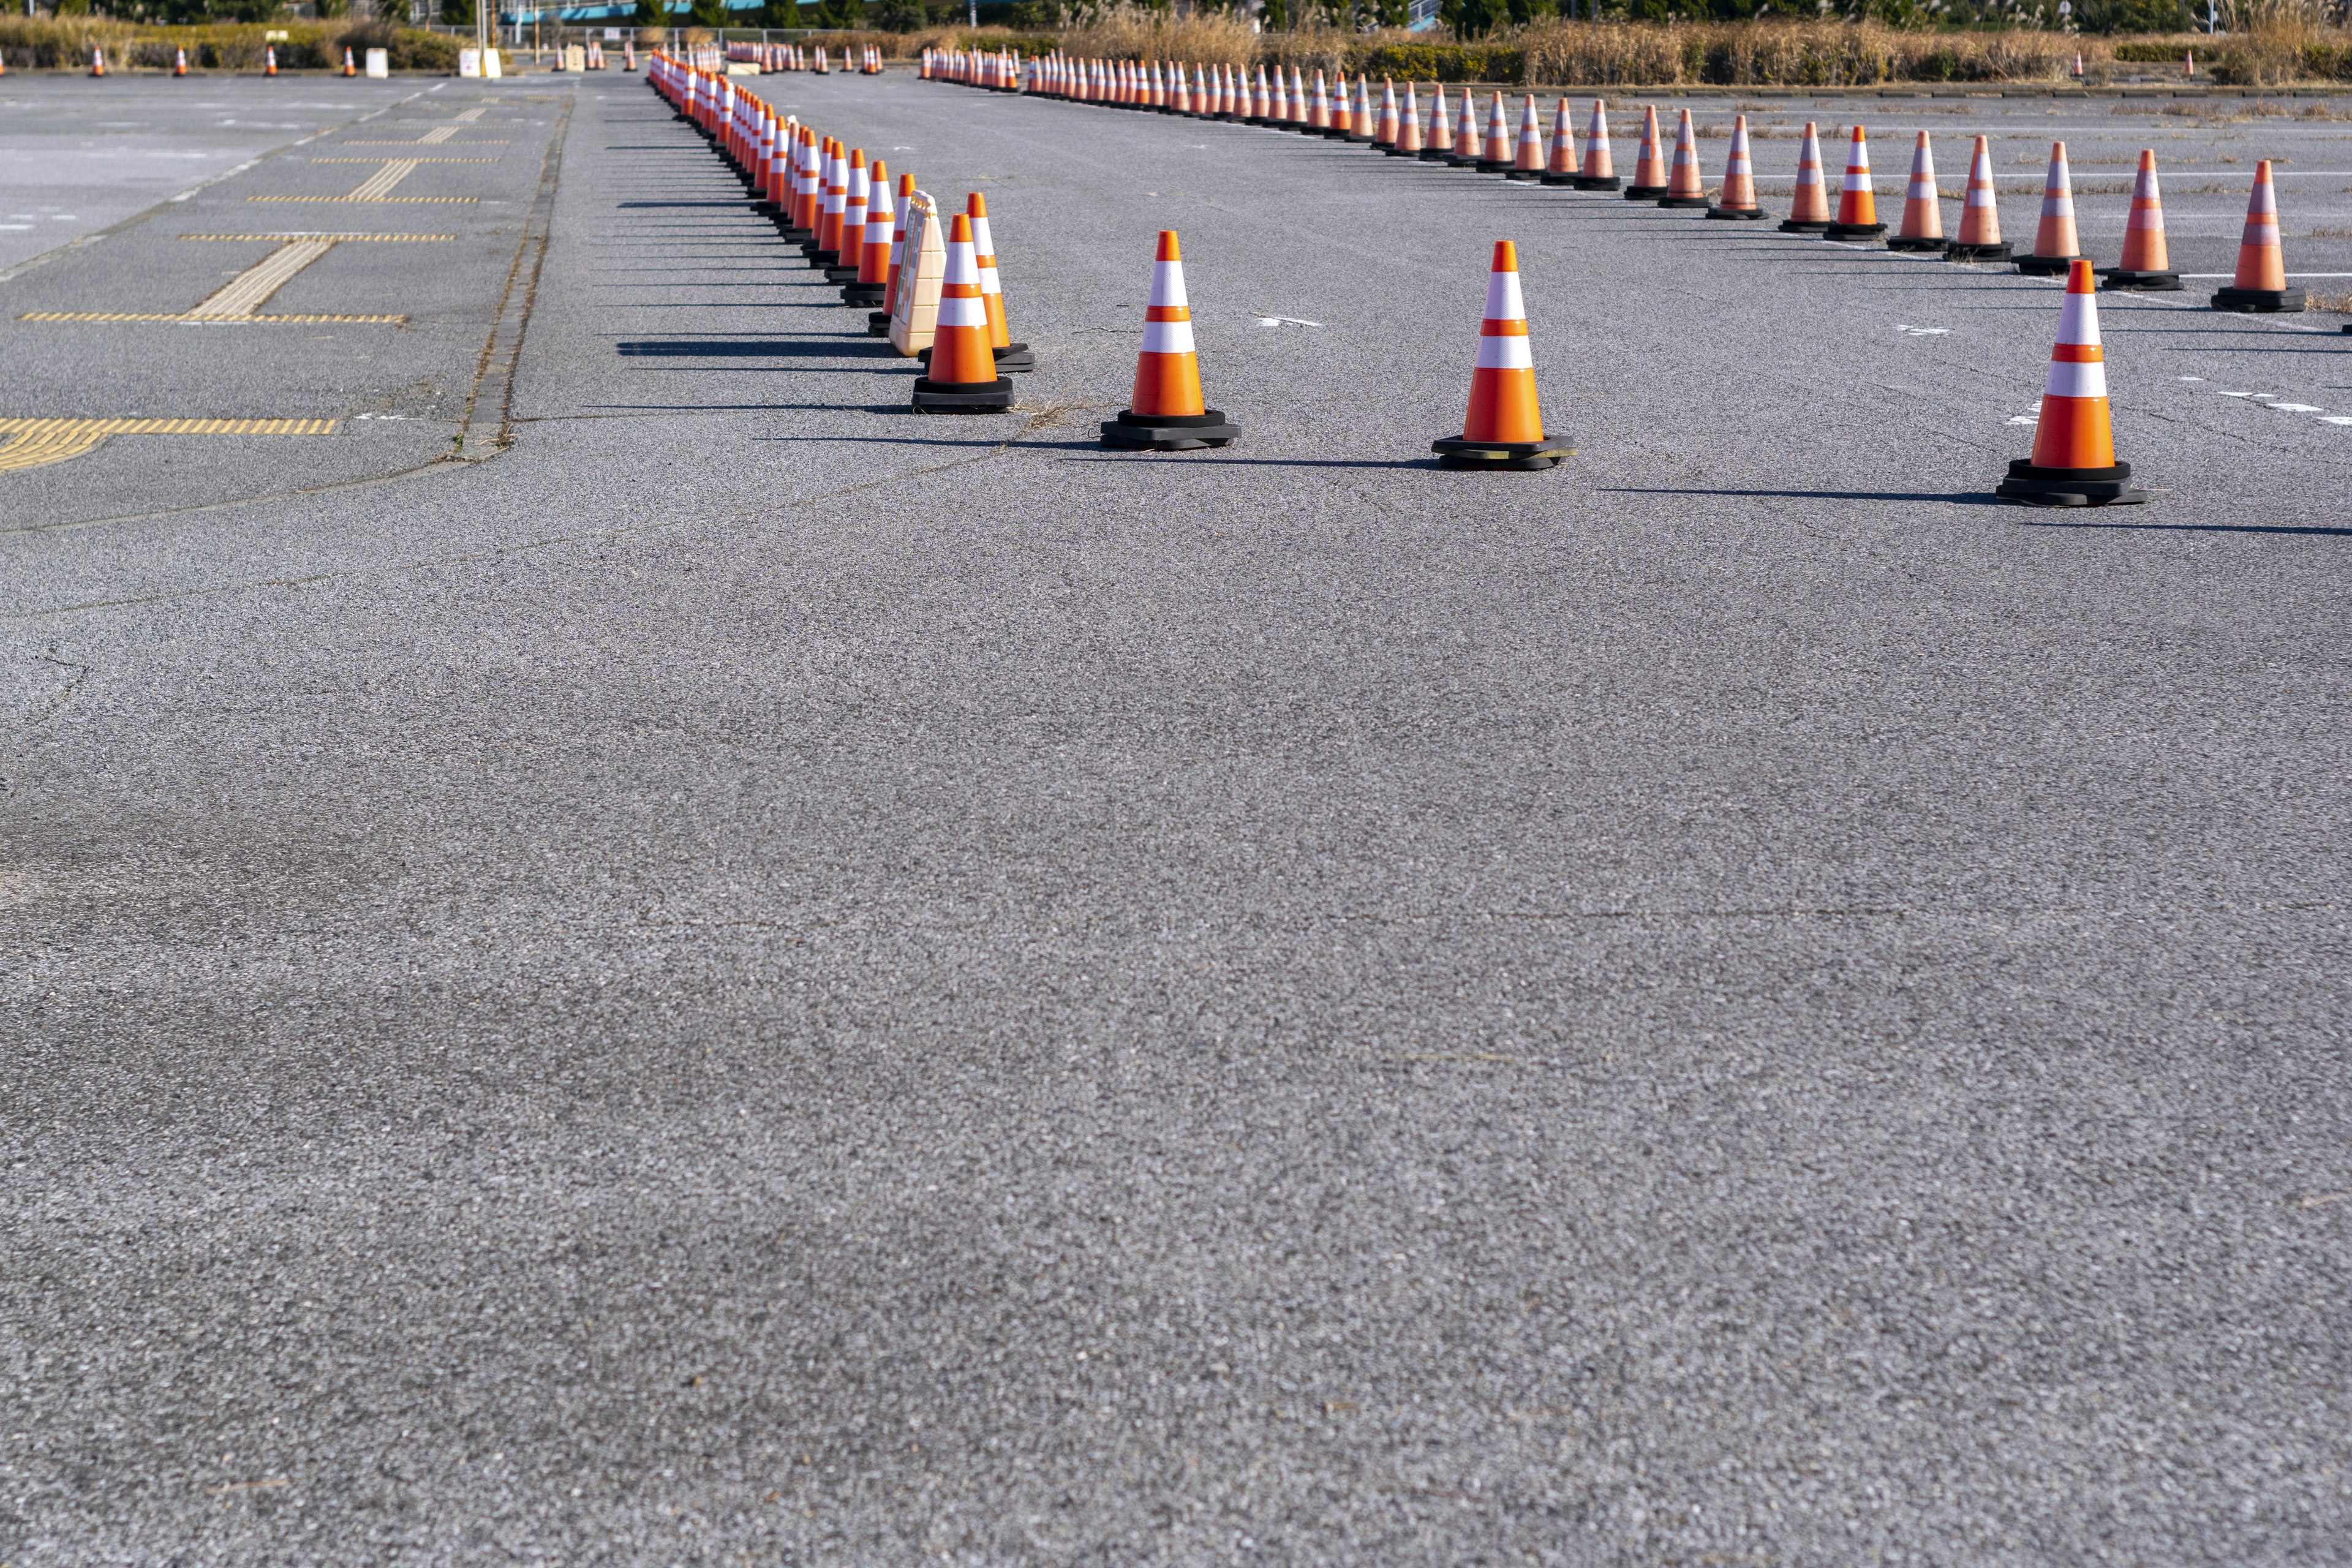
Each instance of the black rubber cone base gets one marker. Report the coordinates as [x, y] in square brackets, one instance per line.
[1526, 176]
[1437, 155]
[2259, 302]
[1594, 182]
[877, 323]
[1012, 356]
[1679, 202]
[1453, 452]
[1644, 193]
[966, 398]
[1955, 251]
[1495, 165]
[2069, 487]
[2047, 265]
[842, 274]
[1803, 226]
[1853, 231]
[794, 236]
[1401, 151]
[1168, 432]
[1750, 212]
[2140, 282]
[1552, 179]
[862, 294]
[1915, 242]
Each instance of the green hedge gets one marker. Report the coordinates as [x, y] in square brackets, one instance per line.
[2151, 54]
[1437, 62]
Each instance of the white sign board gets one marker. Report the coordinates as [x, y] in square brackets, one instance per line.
[490, 65]
[469, 62]
[379, 64]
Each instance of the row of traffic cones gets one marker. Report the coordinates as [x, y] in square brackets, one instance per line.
[2072, 462]
[2259, 284]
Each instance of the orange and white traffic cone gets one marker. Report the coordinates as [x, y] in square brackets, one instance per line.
[1469, 139]
[1857, 215]
[962, 376]
[1600, 174]
[851, 243]
[1685, 188]
[1408, 142]
[2074, 461]
[1980, 238]
[865, 287]
[1738, 199]
[1528, 158]
[1650, 165]
[1495, 153]
[2260, 285]
[349, 68]
[1385, 136]
[1165, 412]
[1010, 355]
[180, 62]
[1318, 107]
[1809, 203]
[837, 206]
[98, 62]
[2147, 265]
[1437, 146]
[1923, 212]
[877, 322]
[800, 204]
[1561, 168]
[1363, 121]
[1504, 429]
[269, 59]
[2055, 243]
[2188, 66]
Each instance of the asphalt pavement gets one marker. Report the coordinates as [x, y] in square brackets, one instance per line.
[661, 960]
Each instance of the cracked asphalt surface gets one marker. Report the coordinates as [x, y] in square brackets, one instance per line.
[721, 972]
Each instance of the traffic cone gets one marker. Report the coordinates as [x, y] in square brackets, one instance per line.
[1469, 140]
[877, 322]
[349, 68]
[1385, 137]
[1980, 237]
[962, 376]
[1318, 107]
[1505, 426]
[1923, 212]
[1408, 142]
[1010, 355]
[2074, 461]
[1166, 413]
[850, 242]
[1650, 166]
[1684, 186]
[1560, 169]
[1600, 174]
[1496, 155]
[180, 62]
[1739, 178]
[98, 62]
[269, 60]
[2260, 285]
[2188, 67]
[2146, 265]
[1437, 146]
[1363, 123]
[800, 190]
[866, 287]
[1857, 204]
[837, 206]
[1527, 163]
[1809, 203]
[2055, 243]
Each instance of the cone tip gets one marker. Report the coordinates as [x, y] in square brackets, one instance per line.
[1507, 256]
[977, 205]
[2078, 278]
[960, 231]
[1168, 248]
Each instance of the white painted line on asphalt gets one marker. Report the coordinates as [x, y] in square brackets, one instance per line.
[2291, 275]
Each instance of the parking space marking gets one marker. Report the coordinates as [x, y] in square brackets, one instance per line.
[240, 302]
[39, 442]
[378, 186]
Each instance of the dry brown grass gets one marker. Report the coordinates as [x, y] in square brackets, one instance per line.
[1125, 32]
[50, 42]
[1790, 53]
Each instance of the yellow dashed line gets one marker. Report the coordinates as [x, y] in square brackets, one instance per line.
[405, 160]
[39, 442]
[198, 320]
[283, 237]
[362, 198]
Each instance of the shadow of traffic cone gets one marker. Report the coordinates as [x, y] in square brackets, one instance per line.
[1528, 160]
[2147, 266]
[1166, 413]
[1600, 173]
[2260, 285]
[1504, 429]
[1408, 142]
[962, 376]
[1923, 212]
[1560, 168]
[1857, 215]
[1738, 199]
[868, 287]
[1980, 237]
[1437, 146]
[1809, 203]
[1650, 163]
[1685, 188]
[2056, 244]
[2074, 461]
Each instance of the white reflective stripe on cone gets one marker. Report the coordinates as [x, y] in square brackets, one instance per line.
[1167, 337]
[1168, 284]
[1506, 354]
[1503, 302]
[962, 311]
[2070, 378]
[2078, 321]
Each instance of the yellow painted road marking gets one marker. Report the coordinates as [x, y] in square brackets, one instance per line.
[412, 163]
[362, 198]
[430, 139]
[238, 303]
[202, 321]
[316, 233]
[377, 187]
[39, 442]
